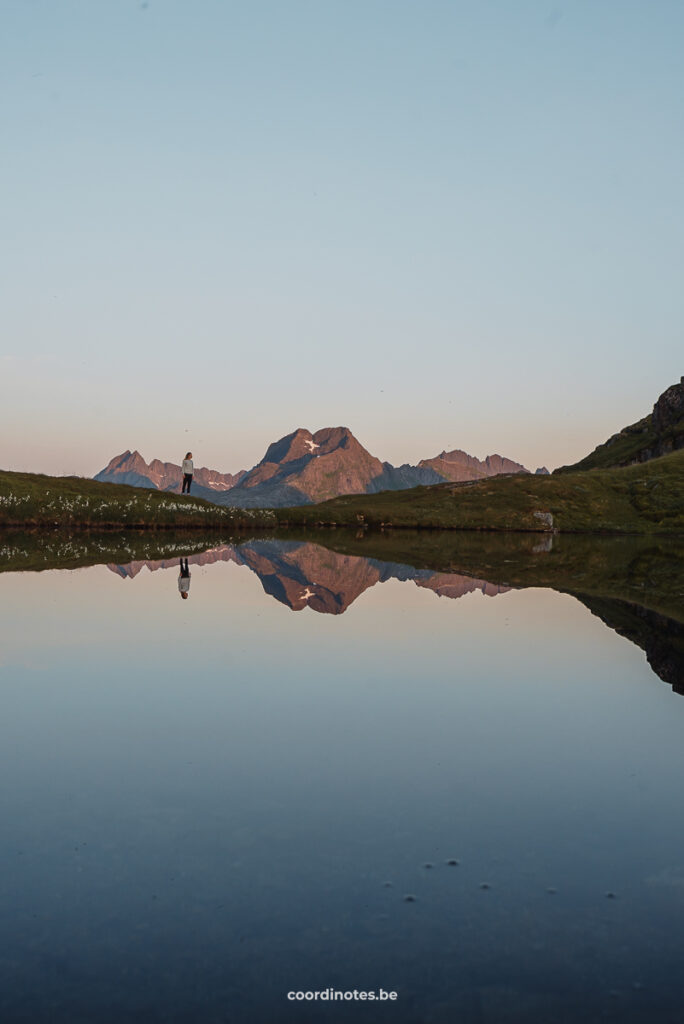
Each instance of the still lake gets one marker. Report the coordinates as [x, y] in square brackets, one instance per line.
[209, 802]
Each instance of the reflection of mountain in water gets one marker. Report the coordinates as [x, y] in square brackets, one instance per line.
[225, 553]
[303, 575]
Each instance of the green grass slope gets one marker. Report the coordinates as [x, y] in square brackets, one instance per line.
[644, 498]
[619, 450]
[34, 500]
[659, 433]
[631, 445]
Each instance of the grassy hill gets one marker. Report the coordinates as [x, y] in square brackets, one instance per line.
[34, 500]
[621, 449]
[659, 433]
[632, 444]
[644, 498]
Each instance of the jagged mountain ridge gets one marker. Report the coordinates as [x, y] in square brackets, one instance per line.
[131, 468]
[303, 468]
[458, 465]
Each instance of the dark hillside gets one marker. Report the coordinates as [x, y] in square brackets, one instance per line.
[659, 433]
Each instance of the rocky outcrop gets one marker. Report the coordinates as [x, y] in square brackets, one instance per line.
[669, 409]
[659, 433]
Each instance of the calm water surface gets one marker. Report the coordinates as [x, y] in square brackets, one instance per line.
[208, 802]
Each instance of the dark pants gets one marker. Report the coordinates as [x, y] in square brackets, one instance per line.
[187, 480]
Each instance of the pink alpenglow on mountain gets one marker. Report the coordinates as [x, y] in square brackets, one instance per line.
[317, 466]
[302, 468]
[131, 468]
[458, 466]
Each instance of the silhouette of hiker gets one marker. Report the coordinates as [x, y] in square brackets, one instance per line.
[187, 473]
[184, 579]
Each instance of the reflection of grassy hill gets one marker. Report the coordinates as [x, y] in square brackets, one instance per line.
[634, 584]
[632, 444]
[31, 499]
[33, 551]
[648, 497]
[646, 571]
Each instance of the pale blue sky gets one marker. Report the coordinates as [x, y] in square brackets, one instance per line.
[442, 224]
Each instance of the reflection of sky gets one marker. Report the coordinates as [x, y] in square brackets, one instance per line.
[225, 750]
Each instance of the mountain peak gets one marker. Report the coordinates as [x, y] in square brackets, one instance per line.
[289, 448]
[127, 460]
[334, 437]
[302, 444]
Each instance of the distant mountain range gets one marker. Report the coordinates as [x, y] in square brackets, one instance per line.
[130, 468]
[303, 468]
[303, 575]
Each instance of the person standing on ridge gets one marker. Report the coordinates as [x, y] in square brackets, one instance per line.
[187, 473]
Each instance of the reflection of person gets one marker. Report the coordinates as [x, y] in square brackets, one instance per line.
[184, 579]
[187, 473]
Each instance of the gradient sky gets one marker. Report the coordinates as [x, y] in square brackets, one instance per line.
[442, 224]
